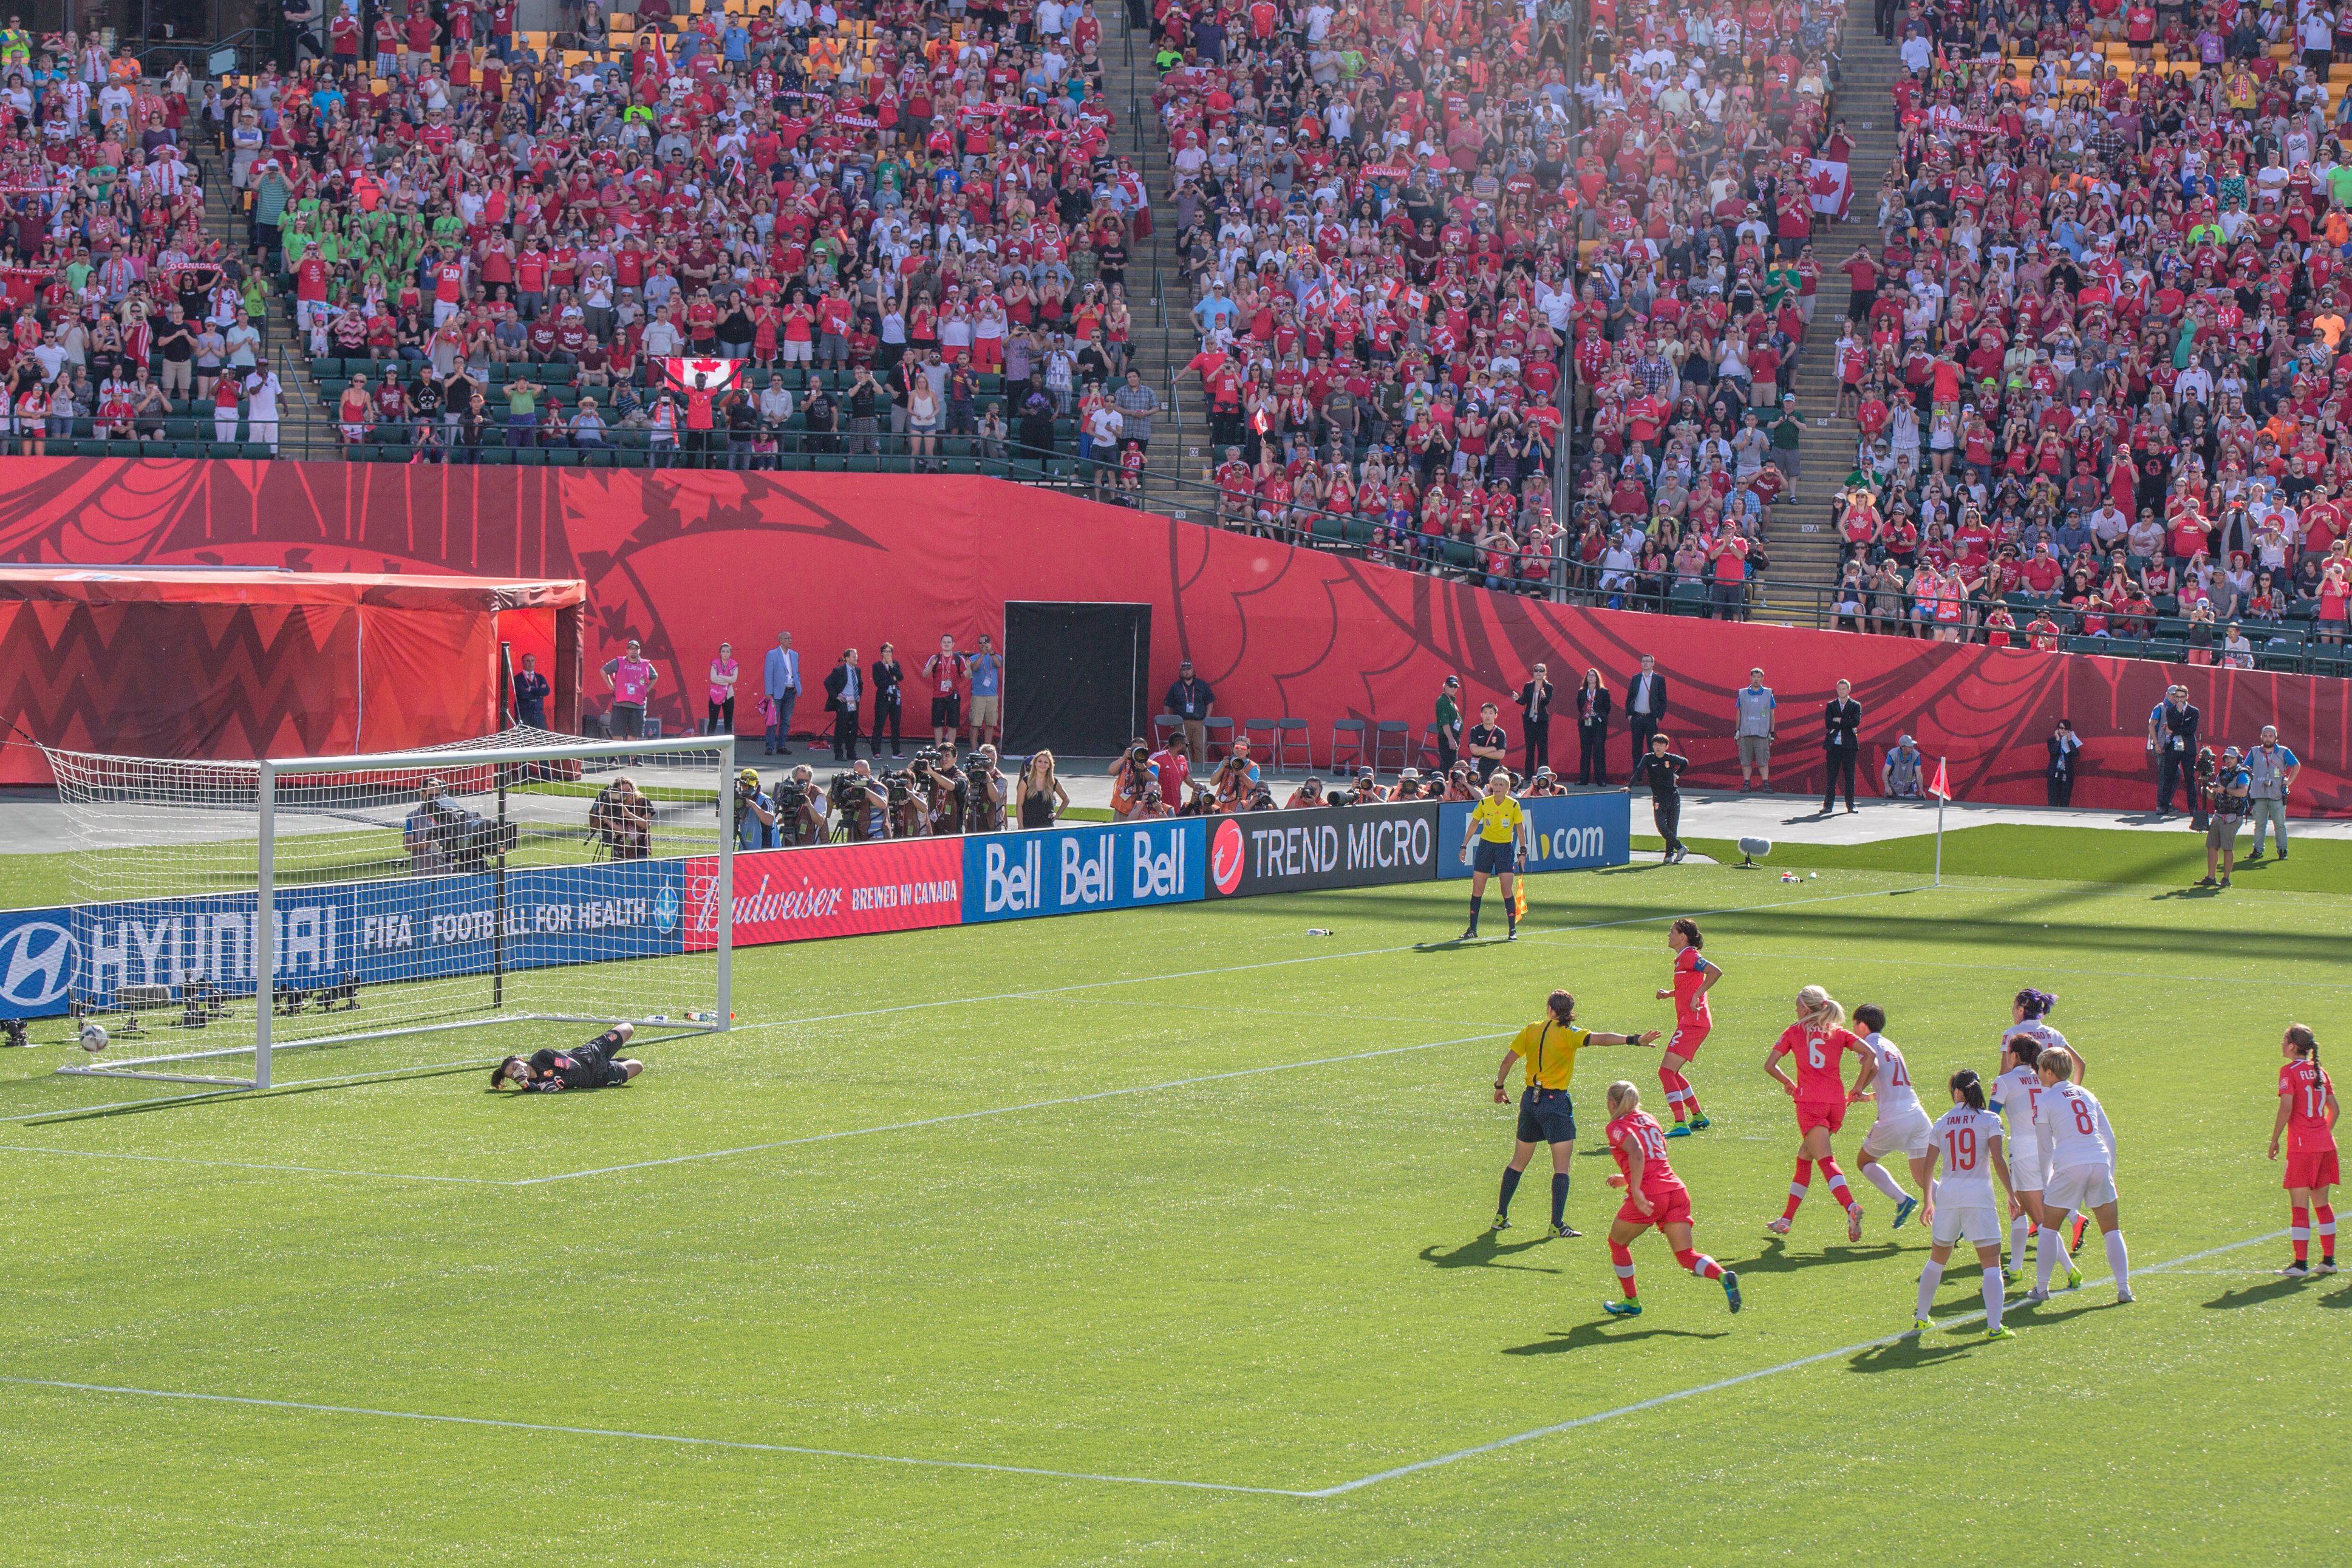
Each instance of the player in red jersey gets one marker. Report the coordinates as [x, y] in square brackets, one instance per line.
[1817, 1039]
[2306, 1114]
[1654, 1195]
[1694, 976]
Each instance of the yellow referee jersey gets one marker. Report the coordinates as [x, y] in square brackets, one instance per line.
[1497, 819]
[1548, 1048]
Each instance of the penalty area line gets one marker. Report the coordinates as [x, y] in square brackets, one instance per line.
[1598, 1416]
[637, 1436]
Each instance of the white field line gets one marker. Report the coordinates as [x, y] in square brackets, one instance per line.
[1341, 1489]
[243, 1165]
[1856, 1348]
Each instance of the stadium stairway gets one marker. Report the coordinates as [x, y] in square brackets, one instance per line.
[1803, 547]
[1157, 298]
[225, 220]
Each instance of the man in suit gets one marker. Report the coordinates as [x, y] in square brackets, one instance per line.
[1841, 744]
[1646, 707]
[844, 689]
[781, 681]
[1535, 709]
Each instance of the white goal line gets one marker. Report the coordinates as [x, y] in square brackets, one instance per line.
[1310, 1494]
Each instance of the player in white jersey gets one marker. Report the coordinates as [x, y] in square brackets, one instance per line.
[2082, 1150]
[1967, 1138]
[2015, 1093]
[1901, 1124]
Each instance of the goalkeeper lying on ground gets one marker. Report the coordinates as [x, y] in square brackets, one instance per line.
[596, 1065]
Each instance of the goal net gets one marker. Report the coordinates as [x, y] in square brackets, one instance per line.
[224, 911]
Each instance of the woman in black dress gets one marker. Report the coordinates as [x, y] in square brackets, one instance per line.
[1662, 770]
[1042, 796]
[886, 677]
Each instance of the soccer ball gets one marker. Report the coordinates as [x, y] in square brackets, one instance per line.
[93, 1037]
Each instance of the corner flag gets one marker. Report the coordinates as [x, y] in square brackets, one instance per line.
[1942, 786]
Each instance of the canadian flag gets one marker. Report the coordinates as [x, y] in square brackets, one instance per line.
[1941, 787]
[701, 374]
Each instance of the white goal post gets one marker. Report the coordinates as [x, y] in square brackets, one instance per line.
[255, 907]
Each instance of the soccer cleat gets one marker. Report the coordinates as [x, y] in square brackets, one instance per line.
[2124, 1298]
[2073, 1277]
[1621, 1308]
[1903, 1211]
[2326, 1266]
[2298, 1270]
[2036, 1296]
[1470, 935]
[1922, 1326]
[1777, 1227]
[2013, 1273]
[2080, 1222]
[1678, 1131]
[1731, 1288]
[1563, 1229]
[1853, 1223]
[1502, 1222]
[1511, 935]
[1700, 1124]
[2002, 1331]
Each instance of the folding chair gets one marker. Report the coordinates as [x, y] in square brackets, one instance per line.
[1165, 728]
[1220, 737]
[1349, 733]
[1430, 753]
[1260, 734]
[1293, 736]
[1392, 733]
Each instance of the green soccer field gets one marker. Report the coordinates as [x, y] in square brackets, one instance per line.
[1161, 1237]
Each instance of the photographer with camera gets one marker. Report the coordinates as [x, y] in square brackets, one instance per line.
[1229, 787]
[1130, 773]
[800, 809]
[1149, 806]
[1545, 783]
[441, 835]
[755, 813]
[943, 785]
[1309, 794]
[862, 804]
[1462, 782]
[621, 820]
[985, 792]
[2228, 797]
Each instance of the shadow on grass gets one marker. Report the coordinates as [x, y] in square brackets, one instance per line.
[2254, 1295]
[1599, 1332]
[1485, 1252]
[2017, 1314]
[1906, 1354]
[2336, 1298]
[183, 1101]
[1776, 1258]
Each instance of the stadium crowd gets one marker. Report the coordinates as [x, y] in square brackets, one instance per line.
[2097, 361]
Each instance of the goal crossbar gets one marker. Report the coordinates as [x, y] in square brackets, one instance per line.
[497, 754]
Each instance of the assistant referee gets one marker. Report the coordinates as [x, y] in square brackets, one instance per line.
[1498, 829]
[1546, 1115]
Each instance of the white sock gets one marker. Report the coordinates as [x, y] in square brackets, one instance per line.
[2046, 1254]
[1992, 1296]
[1931, 1276]
[2118, 1259]
[2016, 1231]
[1884, 1180]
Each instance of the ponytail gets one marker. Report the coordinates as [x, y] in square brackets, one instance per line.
[1819, 1007]
[2036, 1003]
[1689, 928]
[2306, 1043]
[1970, 1088]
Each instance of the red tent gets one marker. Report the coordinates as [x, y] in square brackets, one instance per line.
[159, 662]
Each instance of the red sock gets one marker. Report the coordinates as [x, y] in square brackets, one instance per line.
[1672, 1082]
[2325, 1214]
[1836, 1179]
[1700, 1264]
[1690, 1098]
[2298, 1232]
[1797, 1185]
[1622, 1258]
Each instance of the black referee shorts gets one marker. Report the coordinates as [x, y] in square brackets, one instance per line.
[1546, 1115]
[1493, 859]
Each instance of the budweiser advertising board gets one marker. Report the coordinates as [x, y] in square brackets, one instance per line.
[830, 889]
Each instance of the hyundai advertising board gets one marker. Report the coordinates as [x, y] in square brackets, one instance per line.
[1333, 846]
[1568, 832]
[1072, 871]
[375, 933]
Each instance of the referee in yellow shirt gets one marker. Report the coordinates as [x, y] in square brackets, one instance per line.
[1546, 1115]
[1498, 831]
